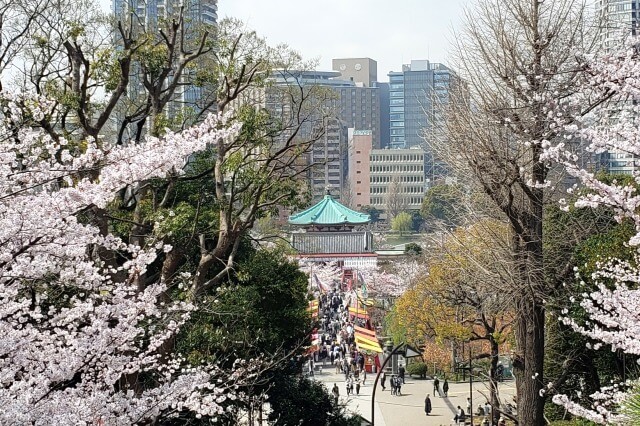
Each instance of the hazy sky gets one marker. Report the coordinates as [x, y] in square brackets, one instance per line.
[390, 31]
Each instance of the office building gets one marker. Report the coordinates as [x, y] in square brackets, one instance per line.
[397, 176]
[417, 96]
[326, 161]
[350, 105]
[361, 105]
[396, 110]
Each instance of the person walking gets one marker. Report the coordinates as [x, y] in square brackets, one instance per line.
[357, 386]
[336, 393]
[445, 388]
[487, 409]
[427, 405]
[401, 373]
[398, 386]
[436, 386]
[460, 416]
[384, 379]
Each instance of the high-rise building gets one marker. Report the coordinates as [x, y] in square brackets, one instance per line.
[418, 98]
[360, 146]
[148, 12]
[619, 20]
[327, 158]
[383, 100]
[352, 105]
[396, 110]
[145, 16]
[360, 109]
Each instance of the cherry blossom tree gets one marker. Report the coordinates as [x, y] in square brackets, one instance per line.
[76, 345]
[614, 309]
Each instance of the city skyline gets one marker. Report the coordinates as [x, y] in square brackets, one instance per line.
[372, 28]
[354, 29]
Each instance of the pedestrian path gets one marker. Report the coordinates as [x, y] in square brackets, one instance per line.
[408, 409]
[356, 404]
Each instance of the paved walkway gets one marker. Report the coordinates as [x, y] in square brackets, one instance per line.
[408, 409]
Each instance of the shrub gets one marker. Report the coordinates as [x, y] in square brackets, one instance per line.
[417, 369]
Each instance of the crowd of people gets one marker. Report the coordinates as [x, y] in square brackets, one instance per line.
[336, 346]
[336, 339]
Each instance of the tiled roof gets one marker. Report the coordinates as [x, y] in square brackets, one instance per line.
[329, 212]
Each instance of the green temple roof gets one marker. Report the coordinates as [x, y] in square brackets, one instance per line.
[329, 212]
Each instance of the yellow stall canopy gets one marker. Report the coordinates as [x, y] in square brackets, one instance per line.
[313, 308]
[365, 344]
[359, 312]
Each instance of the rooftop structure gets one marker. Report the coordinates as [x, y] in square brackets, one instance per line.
[328, 234]
[329, 212]
[359, 70]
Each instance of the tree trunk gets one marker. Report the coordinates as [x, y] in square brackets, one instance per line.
[529, 366]
[493, 382]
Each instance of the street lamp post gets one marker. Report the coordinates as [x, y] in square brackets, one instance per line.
[470, 368]
[375, 382]
[470, 388]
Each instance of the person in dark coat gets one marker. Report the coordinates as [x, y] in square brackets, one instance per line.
[336, 392]
[401, 373]
[384, 379]
[445, 388]
[427, 405]
[436, 386]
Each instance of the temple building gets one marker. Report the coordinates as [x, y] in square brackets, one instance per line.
[332, 232]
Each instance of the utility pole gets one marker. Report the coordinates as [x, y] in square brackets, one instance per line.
[470, 388]
[375, 382]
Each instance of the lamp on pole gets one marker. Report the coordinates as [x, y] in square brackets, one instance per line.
[375, 382]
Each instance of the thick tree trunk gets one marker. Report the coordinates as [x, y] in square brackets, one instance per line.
[528, 366]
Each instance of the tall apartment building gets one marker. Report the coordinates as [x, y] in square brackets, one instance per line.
[146, 15]
[619, 20]
[360, 147]
[397, 174]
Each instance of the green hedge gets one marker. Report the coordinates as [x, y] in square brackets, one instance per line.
[417, 369]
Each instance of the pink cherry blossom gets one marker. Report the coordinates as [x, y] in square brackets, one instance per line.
[72, 340]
